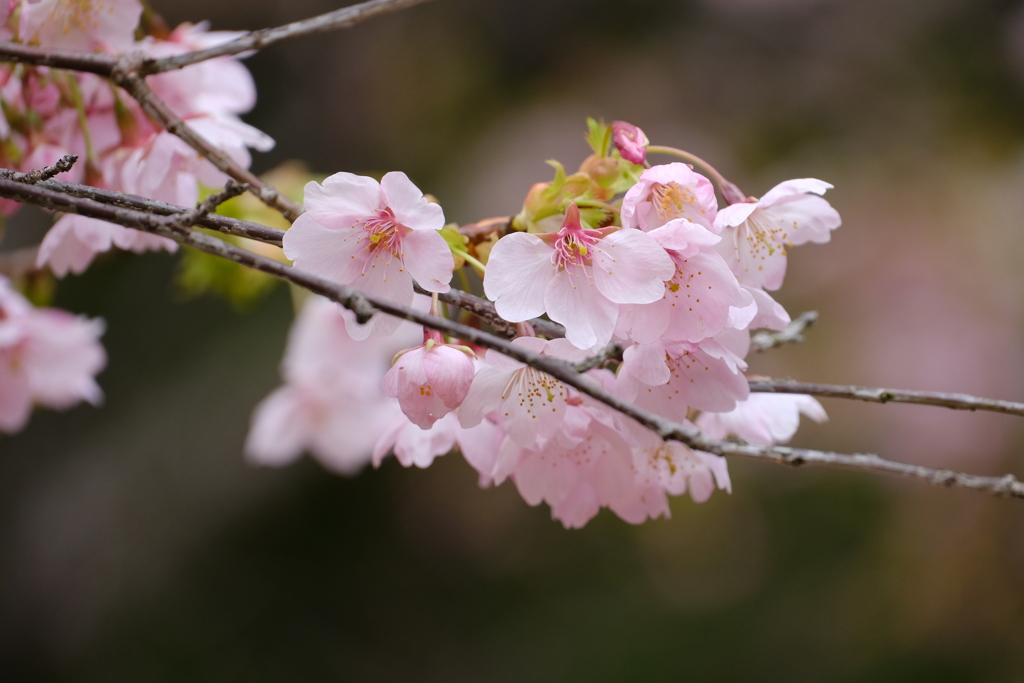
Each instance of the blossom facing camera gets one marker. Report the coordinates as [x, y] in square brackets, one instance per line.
[374, 236]
[578, 276]
[430, 380]
[757, 235]
[630, 141]
[666, 193]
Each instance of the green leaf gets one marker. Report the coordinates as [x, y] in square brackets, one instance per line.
[599, 137]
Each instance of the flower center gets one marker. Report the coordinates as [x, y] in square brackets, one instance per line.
[383, 234]
[671, 200]
[574, 247]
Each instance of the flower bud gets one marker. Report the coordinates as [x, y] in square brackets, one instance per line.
[630, 141]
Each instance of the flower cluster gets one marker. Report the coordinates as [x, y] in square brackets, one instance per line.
[618, 251]
[47, 113]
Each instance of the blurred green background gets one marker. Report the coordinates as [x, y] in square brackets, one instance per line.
[137, 545]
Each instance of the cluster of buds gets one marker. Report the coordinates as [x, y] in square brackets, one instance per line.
[620, 251]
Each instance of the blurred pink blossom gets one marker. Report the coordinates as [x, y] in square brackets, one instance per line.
[47, 357]
[105, 25]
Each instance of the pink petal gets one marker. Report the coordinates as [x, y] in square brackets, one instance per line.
[336, 255]
[343, 200]
[409, 205]
[279, 429]
[700, 296]
[484, 395]
[533, 407]
[788, 188]
[428, 259]
[386, 278]
[631, 268]
[450, 374]
[770, 313]
[518, 272]
[572, 298]
[807, 217]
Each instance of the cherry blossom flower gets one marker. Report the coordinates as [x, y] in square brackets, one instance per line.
[73, 242]
[702, 299]
[630, 141]
[675, 469]
[531, 404]
[757, 234]
[669, 378]
[577, 276]
[331, 404]
[47, 357]
[107, 25]
[668, 192]
[430, 380]
[374, 236]
[762, 419]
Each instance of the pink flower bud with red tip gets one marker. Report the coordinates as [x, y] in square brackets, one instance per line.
[630, 141]
[431, 380]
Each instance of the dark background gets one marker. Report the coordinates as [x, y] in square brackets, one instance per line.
[137, 545]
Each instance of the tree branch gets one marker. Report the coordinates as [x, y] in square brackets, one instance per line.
[365, 306]
[257, 40]
[230, 226]
[99, 64]
[873, 395]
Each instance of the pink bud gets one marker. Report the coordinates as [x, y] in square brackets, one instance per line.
[630, 141]
[430, 381]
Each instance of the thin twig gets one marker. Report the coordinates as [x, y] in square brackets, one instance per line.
[874, 395]
[190, 217]
[365, 306]
[792, 334]
[230, 226]
[257, 40]
[63, 165]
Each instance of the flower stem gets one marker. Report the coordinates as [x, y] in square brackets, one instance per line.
[469, 259]
[730, 192]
